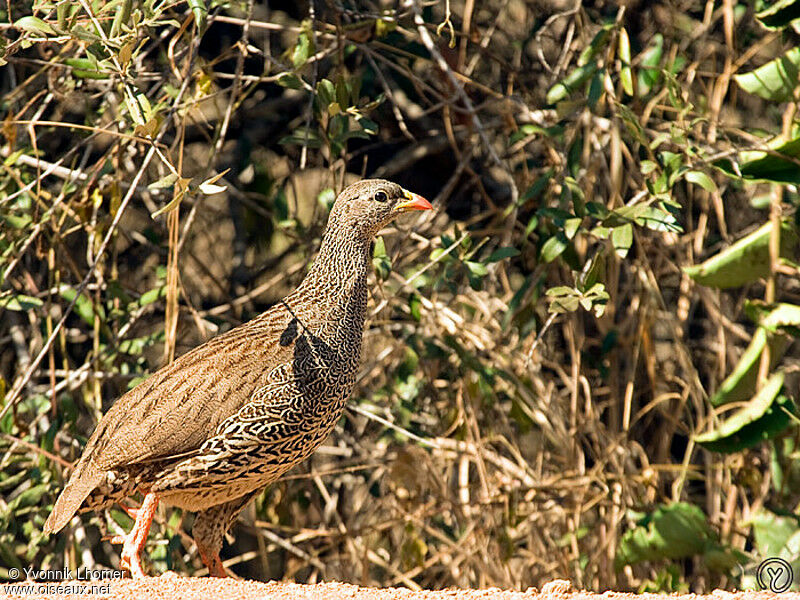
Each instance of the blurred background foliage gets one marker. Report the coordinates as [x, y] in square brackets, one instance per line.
[581, 366]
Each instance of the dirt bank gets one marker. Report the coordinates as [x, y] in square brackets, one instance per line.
[190, 588]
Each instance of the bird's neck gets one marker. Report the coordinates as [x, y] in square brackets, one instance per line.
[335, 290]
[342, 264]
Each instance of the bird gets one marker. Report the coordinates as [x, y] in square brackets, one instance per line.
[210, 430]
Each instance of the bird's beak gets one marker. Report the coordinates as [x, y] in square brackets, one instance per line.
[413, 202]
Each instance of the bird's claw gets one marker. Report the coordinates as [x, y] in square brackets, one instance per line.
[129, 559]
[212, 562]
[133, 542]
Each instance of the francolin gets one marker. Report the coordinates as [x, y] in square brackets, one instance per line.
[210, 430]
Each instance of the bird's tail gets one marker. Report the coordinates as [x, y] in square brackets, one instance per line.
[83, 480]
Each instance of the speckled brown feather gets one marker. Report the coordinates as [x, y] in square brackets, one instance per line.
[222, 421]
[173, 411]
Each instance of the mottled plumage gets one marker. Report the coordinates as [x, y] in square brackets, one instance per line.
[212, 429]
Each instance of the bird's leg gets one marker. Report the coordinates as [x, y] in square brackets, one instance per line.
[211, 560]
[130, 511]
[133, 542]
[209, 529]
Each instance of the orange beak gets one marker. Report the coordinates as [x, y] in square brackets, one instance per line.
[414, 202]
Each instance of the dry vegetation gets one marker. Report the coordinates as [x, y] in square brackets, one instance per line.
[537, 362]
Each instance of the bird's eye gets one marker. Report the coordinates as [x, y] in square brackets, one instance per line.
[381, 196]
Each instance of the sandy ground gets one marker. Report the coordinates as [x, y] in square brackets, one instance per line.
[178, 588]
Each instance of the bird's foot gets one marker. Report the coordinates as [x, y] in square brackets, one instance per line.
[130, 511]
[133, 542]
[130, 556]
[212, 562]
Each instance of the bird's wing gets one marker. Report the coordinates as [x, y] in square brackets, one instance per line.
[180, 406]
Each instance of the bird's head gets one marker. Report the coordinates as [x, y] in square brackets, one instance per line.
[369, 205]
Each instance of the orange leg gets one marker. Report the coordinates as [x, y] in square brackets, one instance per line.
[212, 561]
[133, 543]
[130, 511]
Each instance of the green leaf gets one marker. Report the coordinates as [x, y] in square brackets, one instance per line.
[85, 68]
[592, 272]
[597, 45]
[151, 296]
[145, 106]
[502, 253]
[624, 214]
[381, 260]
[647, 166]
[84, 306]
[415, 306]
[437, 252]
[560, 290]
[526, 130]
[777, 16]
[344, 91]
[778, 165]
[476, 268]
[384, 27]
[301, 137]
[782, 316]
[658, 219]
[649, 71]
[135, 346]
[701, 179]
[34, 25]
[596, 299]
[338, 125]
[571, 227]
[516, 302]
[553, 247]
[29, 497]
[596, 89]
[369, 126]
[566, 299]
[746, 260]
[326, 198]
[771, 532]
[625, 74]
[475, 273]
[621, 239]
[290, 80]
[764, 416]
[572, 191]
[674, 531]
[200, 12]
[19, 302]
[533, 223]
[182, 185]
[563, 299]
[723, 559]
[83, 34]
[15, 221]
[301, 50]
[775, 80]
[13, 157]
[741, 383]
[572, 82]
[326, 93]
